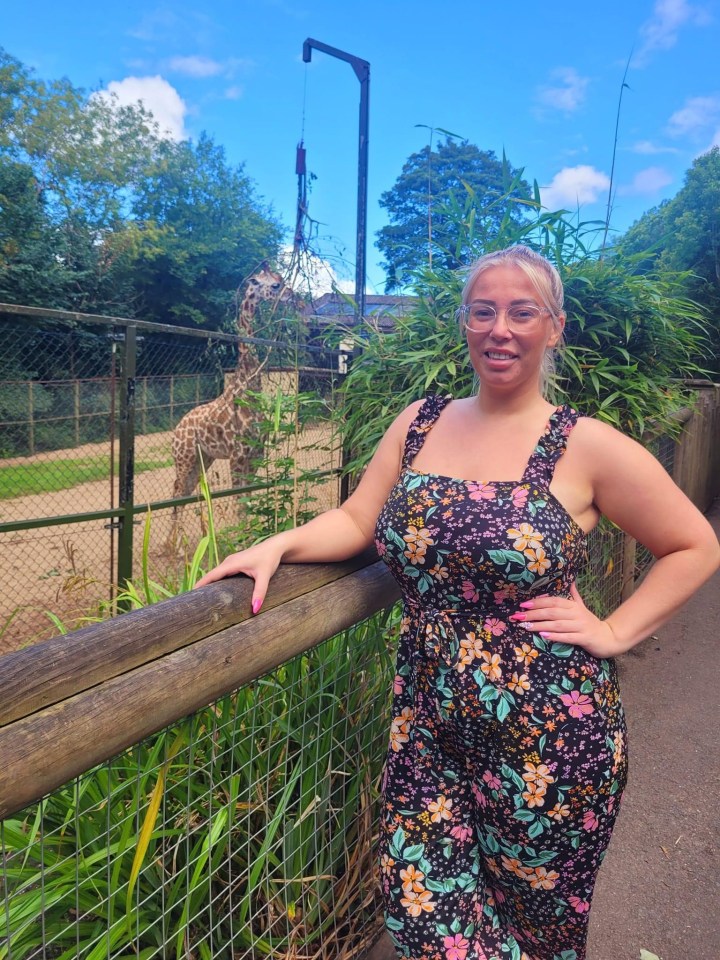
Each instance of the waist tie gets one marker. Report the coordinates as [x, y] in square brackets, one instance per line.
[436, 636]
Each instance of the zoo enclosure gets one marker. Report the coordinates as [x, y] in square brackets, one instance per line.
[247, 831]
[87, 409]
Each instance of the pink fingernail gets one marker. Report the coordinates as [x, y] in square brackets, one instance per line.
[544, 635]
[527, 605]
[516, 616]
[256, 604]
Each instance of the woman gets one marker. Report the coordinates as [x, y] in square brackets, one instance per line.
[507, 748]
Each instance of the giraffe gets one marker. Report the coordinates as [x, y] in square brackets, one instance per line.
[223, 429]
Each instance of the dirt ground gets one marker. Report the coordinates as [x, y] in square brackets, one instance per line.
[68, 569]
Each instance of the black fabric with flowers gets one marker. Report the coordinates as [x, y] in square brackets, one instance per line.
[507, 753]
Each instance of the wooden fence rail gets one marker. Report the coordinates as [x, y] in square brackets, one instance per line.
[78, 700]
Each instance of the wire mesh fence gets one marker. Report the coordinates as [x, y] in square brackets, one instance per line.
[91, 421]
[246, 831]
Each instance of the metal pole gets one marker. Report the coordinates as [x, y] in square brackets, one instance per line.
[127, 459]
[362, 72]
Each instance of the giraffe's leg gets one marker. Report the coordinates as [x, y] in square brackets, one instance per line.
[187, 475]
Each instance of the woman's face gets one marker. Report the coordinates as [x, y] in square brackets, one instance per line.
[501, 356]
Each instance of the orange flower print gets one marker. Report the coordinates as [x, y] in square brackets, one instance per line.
[418, 539]
[491, 667]
[415, 903]
[386, 864]
[534, 796]
[543, 878]
[440, 809]
[539, 562]
[519, 684]
[412, 880]
[538, 774]
[400, 728]
[470, 649]
[514, 866]
[559, 811]
[525, 537]
[439, 572]
[415, 553]
[525, 654]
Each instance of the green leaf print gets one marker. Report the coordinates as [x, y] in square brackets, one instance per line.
[509, 774]
[535, 505]
[489, 693]
[502, 709]
[455, 926]
[527, 816]
[541, 743]
[566, 683]
[539, 643]
[467, 883]
[586, 687]
[545, 856]
[571, 955]
[425, 866]
[437, 886]
[535, 830]
[415, 852]
[411, 571]
[500, 557]
[555, 690]
[469, 930]
[415, 481]
[392, 924]
[396, 538]
[398, 840]
[450, 774]
[442, 929]
[561, 649]
[491, 843]
[479, 678]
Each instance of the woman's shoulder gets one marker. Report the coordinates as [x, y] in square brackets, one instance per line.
[601, 442]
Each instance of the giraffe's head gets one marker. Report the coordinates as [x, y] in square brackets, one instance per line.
[267, 285]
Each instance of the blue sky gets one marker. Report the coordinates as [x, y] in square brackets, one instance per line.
[540, 81]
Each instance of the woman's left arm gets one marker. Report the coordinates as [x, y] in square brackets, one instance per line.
[634, 491]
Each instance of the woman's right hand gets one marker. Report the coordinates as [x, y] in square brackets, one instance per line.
[259, 562]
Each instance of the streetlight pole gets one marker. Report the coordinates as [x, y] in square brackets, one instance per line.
[362, 72]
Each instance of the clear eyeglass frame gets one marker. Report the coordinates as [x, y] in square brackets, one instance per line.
[481, 317]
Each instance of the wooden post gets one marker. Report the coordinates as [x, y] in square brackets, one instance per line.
[31, 420]
[629, 551]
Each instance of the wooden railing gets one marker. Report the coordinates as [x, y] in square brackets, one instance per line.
[75, 701]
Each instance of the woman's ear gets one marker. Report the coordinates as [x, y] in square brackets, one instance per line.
[557, 330]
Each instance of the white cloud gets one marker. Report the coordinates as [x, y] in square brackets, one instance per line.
[696, 115]
[159, 97]
[233, 93]
[567, 94]
[648, 147]
[310, 276]
[195, 66]
[574, 186]
[649, 180]
[660, 32]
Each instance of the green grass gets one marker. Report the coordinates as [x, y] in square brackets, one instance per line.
[51, 475]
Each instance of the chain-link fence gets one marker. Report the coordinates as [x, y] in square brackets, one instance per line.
[89, 411]
[245, 832]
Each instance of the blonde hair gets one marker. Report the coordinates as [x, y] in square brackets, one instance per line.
[546, 280]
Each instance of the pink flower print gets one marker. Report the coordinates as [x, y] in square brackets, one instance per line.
[381, 548]
[506, 592]
[495, 626]
[481, 491]
[398, 684]
[456, 947]
[578, 905]
[519, 496]
[590, 821]
[469, 592]
[578, 704]
[493, 782]
[461, 832]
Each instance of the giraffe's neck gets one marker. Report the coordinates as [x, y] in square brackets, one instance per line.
[247, 360]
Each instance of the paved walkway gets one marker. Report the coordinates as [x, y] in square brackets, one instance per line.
[659, 887]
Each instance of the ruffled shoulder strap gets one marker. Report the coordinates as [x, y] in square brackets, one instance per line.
[551, 446]
[432, 407]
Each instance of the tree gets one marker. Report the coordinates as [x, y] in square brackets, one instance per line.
[423, 205]
[684, 234]
[201, 232]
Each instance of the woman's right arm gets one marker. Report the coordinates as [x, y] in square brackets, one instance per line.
[334, 535]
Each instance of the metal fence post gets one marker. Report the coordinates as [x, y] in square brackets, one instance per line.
[127, 459]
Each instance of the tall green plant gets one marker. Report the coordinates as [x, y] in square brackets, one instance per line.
[630, 339]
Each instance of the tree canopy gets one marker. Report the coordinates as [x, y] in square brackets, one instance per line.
[99, 213]
[684, 234]
[432, 189]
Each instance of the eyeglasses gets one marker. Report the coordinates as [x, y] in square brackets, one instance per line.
[481, 317]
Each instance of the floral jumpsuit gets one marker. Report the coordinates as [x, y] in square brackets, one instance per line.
[507, 754]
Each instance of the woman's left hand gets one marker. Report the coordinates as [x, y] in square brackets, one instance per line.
[562, 620]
